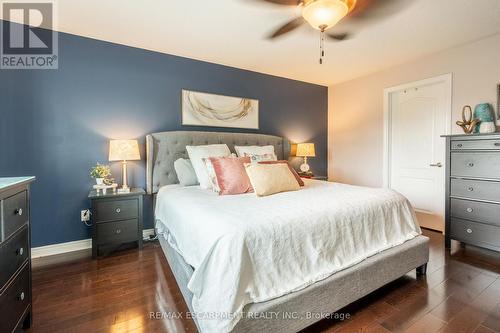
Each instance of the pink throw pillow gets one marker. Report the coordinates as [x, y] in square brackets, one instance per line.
[231, 175]
[295, 174]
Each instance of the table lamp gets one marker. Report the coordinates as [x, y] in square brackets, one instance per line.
[124, 150]
[305, 150]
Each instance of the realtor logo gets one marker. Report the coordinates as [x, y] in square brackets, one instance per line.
[28, 37]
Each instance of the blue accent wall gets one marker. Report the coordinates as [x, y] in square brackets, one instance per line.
[55, 124]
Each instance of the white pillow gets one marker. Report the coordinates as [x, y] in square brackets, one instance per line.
[254, 150]
[198, 153]
[261, 158]
[185, 172]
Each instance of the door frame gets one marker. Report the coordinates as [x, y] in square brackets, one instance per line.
[448, 80]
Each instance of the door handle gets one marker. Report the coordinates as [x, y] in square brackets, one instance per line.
[438, 165]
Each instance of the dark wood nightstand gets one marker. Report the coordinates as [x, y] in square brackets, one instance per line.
[116, 219]
[325, 178]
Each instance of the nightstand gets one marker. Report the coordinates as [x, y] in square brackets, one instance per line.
[116, 219]
[325, 178]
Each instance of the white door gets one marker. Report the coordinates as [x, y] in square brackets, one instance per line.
[418, 115]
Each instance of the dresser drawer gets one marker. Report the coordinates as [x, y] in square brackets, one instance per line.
[15, 300]
[118, 232]
[474, 210]
[475, 189]
[13, 253]
[482, 165]
[475, 144]
[476, 233]
[14, 213]
[111, 210]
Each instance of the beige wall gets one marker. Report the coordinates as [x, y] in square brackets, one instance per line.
[355, 110]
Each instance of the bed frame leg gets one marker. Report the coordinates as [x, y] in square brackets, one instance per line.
[422, 270]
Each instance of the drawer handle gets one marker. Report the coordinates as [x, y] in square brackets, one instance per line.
[470, 188]
[497, 144]
[459, 145]
[20, 251]
[470, 210]
[470, 164]
[469, 230]
[21, 296]
[118, 210]
[118, 231]
[18, 211]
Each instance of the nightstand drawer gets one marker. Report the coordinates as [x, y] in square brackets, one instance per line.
[481, 165]
[111, 210]
[483, 212]
[13, 253]
[476, 233]
[475, 144]
[15, 214]
[118, 232]
[475, 189]
[15, 300]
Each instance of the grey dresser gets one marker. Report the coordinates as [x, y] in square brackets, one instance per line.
[15, 254]
[473, 190]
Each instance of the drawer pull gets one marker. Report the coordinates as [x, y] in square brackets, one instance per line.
[21, 296]
[470, 189]
[118, 231]
[470, 210]
[497, 144]
[20, 251]
[470, 164]
[459, 145]
[18, 211]
[469, 230]
[118, 210]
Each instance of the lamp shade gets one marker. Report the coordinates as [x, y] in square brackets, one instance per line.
[124, 150]
[306, 150]
[324, 14]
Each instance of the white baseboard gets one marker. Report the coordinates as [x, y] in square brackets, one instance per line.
[60, 248]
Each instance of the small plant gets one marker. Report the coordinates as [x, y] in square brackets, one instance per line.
[100, 171]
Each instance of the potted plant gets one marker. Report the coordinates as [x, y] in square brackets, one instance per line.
[100, 172]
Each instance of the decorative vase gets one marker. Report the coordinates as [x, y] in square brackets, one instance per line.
[488, 127]
[99, 181]
[484, 112]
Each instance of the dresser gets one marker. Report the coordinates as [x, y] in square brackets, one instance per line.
[473, 190]
[15, 254]
[116, 219]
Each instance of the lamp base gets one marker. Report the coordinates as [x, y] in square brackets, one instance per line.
[304, 167]
[123, 190]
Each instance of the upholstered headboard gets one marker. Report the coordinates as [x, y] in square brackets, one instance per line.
[164, 148]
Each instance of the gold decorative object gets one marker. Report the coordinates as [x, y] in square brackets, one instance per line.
[468, 124]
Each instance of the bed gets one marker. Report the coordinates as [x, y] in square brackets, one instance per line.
[228, 253]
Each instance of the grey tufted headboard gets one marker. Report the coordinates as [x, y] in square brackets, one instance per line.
[162, 149]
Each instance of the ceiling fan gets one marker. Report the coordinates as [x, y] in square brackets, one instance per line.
[323, 15]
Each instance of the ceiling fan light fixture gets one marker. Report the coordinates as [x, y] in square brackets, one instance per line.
[324, 14]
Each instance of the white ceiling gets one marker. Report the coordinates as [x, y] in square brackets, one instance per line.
[232, 32]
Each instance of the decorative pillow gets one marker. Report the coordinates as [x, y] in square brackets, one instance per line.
[267, 179]
[254, 150]
[228, 175]
[198, 153]
[261, 158]
[185, 172]
[292, 170]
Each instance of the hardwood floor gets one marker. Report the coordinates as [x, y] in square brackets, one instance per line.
[461, 293]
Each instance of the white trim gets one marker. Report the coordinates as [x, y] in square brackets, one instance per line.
[60, 248]
[448, 80]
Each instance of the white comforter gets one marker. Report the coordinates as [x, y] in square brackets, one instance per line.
[246, 249]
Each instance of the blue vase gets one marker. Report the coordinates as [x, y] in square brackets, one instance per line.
[483, 112]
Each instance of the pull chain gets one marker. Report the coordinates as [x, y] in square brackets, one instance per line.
[321, 45]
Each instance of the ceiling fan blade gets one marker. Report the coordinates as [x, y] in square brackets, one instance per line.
[287, 27]
[284, 2]
[339, 37]
[375, 9]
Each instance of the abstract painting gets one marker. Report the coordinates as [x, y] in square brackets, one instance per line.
[203, 109]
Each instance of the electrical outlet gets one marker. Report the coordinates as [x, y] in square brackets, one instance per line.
[85, 215]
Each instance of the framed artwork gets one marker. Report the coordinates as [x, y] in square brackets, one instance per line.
[204, 109]
[498, 101]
